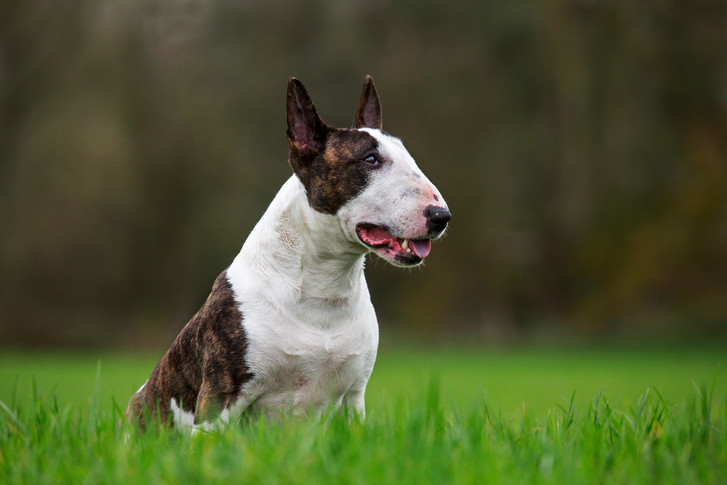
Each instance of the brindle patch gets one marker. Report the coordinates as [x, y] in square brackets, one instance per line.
[330, 161]
[205, 366]
[338, 173]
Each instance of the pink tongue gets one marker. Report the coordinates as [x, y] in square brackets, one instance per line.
[421, 248]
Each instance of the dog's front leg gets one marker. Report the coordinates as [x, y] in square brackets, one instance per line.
[221, 397]
[212, 406]
[354, 400]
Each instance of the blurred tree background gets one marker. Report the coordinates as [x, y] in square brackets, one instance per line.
[581, 145]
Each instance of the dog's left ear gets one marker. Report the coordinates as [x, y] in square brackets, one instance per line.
[369, 109]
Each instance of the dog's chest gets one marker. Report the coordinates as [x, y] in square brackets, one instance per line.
[300, 366]
[320, 359]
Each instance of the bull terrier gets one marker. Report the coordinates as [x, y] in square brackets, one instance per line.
[289, 326]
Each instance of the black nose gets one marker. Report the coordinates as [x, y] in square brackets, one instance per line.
[437, 218]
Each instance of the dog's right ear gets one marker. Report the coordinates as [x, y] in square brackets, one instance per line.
[306, 130]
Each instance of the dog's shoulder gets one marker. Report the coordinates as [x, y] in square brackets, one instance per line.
[220, 313]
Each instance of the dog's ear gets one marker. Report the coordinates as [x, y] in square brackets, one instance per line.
[369, 109]
[306, 130]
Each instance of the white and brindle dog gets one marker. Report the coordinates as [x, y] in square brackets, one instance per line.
[289, 325]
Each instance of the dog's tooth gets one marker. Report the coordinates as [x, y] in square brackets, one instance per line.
[405, 245]
[408, 250]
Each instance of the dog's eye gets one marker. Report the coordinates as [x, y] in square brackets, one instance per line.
[371, 160]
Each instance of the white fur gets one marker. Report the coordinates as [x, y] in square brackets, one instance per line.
[182, 418]
[311, 327]
[299, 280]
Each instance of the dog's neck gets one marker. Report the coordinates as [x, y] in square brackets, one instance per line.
[330, 266]
[300, 254]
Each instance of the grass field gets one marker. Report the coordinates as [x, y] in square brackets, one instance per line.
[434, 416]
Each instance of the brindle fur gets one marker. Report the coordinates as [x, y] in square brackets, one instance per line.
[328, 160]
[205, 366]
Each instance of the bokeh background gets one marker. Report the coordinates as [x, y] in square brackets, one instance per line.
[581, 145]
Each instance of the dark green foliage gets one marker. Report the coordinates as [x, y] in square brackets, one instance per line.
[580, 145]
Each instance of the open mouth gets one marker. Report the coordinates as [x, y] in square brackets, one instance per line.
[404, 251]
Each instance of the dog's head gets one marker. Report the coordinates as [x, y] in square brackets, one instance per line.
[366, 178]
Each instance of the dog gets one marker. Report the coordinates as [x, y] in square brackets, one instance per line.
[289, 326]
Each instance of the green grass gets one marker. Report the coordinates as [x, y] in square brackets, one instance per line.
[434, 416]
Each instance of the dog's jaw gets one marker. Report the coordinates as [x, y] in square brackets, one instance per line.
[398, 251]
[388, 217]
